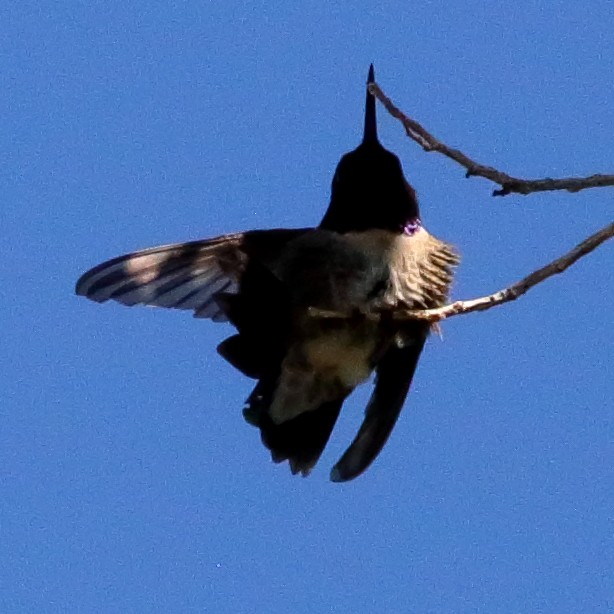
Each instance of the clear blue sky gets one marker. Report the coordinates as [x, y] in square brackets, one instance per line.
[129, 480]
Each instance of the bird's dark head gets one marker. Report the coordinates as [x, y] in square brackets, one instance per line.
[369, 189]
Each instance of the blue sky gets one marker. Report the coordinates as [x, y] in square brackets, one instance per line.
[129, 480]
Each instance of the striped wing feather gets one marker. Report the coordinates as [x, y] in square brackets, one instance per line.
[184, 275]
[178, 276]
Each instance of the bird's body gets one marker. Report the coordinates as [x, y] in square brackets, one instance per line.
[358, 276]
[369, 256]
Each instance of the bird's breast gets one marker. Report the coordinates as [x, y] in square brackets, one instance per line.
[418, 267]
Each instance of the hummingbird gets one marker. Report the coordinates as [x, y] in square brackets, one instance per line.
[312, 307]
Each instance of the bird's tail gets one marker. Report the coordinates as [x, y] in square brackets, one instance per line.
[299, 440]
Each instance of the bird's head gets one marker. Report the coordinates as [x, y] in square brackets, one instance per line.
[368, 189]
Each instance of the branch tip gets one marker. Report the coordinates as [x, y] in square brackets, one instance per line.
[509, 184]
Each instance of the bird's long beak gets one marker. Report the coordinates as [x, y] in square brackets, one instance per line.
[370, 134]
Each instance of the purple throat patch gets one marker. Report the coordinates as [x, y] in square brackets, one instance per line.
[411, 227]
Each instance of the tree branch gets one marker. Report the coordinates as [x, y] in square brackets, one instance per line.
[508, 184]
[511, 293]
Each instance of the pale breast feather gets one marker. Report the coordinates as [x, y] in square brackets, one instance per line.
[419, 267]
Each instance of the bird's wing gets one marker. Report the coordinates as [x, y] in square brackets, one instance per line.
[183, 275]
[394, 374]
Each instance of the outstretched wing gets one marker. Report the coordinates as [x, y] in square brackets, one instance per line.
[394, 374]
[183, 275]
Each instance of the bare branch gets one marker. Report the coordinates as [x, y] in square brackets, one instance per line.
[511, 293]
[508, 184]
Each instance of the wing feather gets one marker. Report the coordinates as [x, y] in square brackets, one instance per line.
[184, 275]
[179, 276]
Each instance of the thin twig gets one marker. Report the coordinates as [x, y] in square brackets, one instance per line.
[508, 184]
[506, 295]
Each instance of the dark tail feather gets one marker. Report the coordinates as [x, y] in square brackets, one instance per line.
[235, 351]
[394, 375]
[300, 440]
